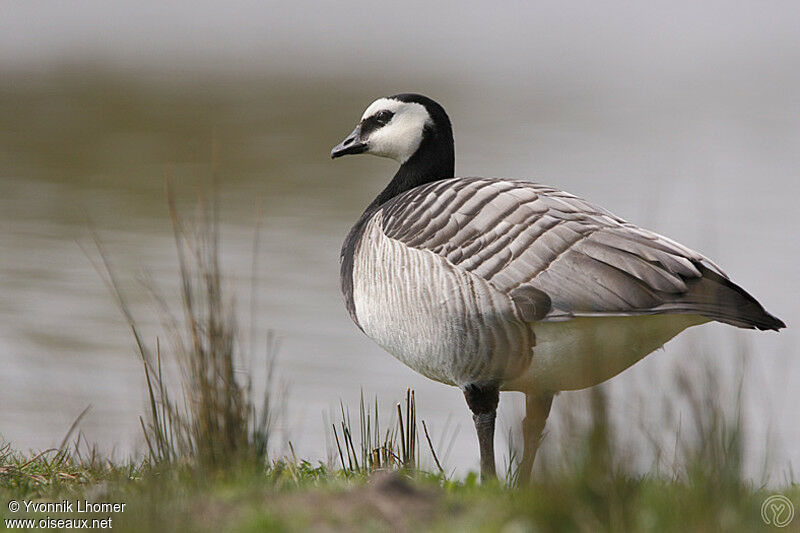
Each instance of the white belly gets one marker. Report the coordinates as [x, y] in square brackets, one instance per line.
[582, 352]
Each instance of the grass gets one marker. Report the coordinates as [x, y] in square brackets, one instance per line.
[208, 465]
[220, 423]
[398, 448]
[294, 495]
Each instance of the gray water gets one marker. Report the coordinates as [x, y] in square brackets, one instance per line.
[697, 138]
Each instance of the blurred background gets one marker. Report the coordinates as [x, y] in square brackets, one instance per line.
[683, 117]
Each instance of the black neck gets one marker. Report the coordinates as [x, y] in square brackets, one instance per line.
[434, 160]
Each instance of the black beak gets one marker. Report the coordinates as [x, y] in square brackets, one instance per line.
[351, 145]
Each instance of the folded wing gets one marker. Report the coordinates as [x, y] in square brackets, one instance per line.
[558, 256]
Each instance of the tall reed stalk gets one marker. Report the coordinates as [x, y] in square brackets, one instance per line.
[218, 421]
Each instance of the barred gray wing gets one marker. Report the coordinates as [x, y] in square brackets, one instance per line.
[559, 256]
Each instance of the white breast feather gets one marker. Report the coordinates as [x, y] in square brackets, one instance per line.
[442, 321]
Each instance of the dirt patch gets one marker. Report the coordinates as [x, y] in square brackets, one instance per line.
[387, 501]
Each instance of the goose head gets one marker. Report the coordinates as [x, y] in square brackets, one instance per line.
[400, 127]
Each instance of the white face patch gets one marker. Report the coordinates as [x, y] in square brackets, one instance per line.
[401, 137]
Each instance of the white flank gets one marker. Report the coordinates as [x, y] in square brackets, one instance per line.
[586, 351]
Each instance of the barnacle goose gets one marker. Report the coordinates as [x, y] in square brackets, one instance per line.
[496, 284]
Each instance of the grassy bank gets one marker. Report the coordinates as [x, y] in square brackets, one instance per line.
[298, 495]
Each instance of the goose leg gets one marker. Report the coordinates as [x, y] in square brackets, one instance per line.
[482, 401]
[537, 409]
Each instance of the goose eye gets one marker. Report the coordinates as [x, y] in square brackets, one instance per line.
[384, 117]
